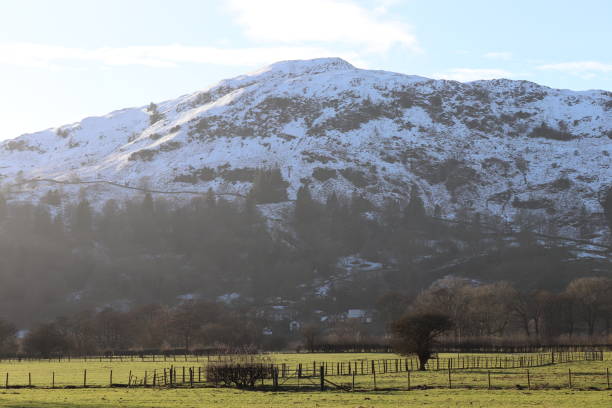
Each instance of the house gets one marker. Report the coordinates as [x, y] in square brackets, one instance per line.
[294, 326]
[359, 314]
[276, 313]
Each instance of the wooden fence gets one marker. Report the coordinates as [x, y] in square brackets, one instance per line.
[315, 372]
[470, 362]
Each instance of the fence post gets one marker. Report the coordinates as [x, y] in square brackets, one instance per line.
[489, 379]
[353, 381]
[154, 377]
[53, 379]
[85, 378]
[408, 378]
[110, 381]
[528, 380]
[374, 374]
[569, 377]
[145, 378]
[322, 377]
[450, 383]
[6, 382]
[608, 377]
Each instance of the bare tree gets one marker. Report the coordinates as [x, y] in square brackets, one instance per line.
[417, 334]
[447, 297]
[311, 333]
[7, 337]
[592, 297]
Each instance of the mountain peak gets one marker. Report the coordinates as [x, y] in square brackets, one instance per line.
[312, 66]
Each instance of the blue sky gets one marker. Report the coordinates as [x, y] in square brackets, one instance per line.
[63, 60]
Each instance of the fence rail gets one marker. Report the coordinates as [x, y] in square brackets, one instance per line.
[316, 372]
[400, 365]
[192, 377]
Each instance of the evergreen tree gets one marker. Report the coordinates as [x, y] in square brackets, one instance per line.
[607, 207]
[250, 211]
[306, 209]
[269, 186]
[82, 220]
[210, 198]
[147, 203]
[414, 213]
[156, 116]
[3, 207]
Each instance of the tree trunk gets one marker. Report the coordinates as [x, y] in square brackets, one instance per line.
[423, 358]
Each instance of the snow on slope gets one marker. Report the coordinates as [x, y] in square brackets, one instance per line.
[339, 128]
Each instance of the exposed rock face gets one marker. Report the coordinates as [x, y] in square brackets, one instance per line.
[496, 147]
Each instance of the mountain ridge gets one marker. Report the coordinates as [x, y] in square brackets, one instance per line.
[498, 147]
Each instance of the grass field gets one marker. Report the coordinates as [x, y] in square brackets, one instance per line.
[549, 386]
[228, 398]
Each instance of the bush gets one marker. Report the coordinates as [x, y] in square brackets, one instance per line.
[546, 132]
[323, 174]
[357, 177]
[156, 116]
[144, 155]
[239, 370]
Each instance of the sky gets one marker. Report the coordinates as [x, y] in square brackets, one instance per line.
[63, 60]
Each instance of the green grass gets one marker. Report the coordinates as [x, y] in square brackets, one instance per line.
[549, 386]
[228, 398]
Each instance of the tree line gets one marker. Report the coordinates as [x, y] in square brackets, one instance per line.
[63, 257]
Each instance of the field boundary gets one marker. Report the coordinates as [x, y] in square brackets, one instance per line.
[462, 371]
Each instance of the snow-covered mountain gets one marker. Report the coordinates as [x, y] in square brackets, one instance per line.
[490, 146]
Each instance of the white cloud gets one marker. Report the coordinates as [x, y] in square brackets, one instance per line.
[584, 69]
[51, 56]
[322, 21]
[499, 55]
[473, 74]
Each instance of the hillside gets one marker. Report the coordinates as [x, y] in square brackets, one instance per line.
[497, 147]
[312, 184]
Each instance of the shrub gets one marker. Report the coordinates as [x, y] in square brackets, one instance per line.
[143, 155]
[156, 116]
[323, 174]
[169, 146]
[204, 174]
[21, 146]
[63, 133]
[240, 370]
[243, 174]
[533, 203]
[357, 177]
[546, 132]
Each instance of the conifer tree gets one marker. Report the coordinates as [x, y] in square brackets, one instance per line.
[306, 209]
[414, 213]
[3, 207]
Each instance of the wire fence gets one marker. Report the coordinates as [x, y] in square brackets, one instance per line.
[391, 366]
[192, 376]
[467, 371]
